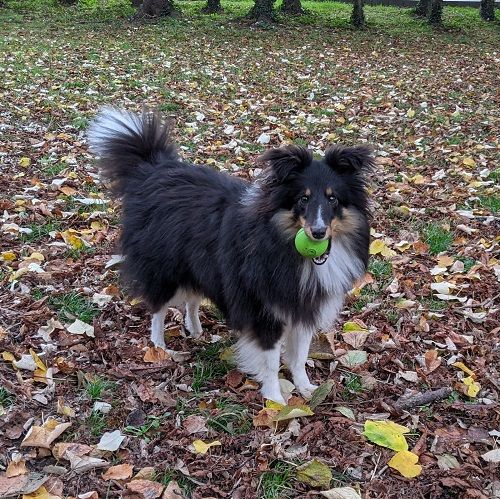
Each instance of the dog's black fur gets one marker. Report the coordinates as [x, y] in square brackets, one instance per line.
[194, 228]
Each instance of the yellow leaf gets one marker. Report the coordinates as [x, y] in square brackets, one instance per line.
[72, 240]
[65, 410]
[40, 493]
[291, 412]
[202, 448]
[271, 404]
[473, 387]
[418, 179]
[8, 357]
[410, 113]
[387, 434]
[406, 463]
[38, 361]
[24, 162]
[464, 368]
[468, 161]
[315, 473]
[8, 256]
[378, 246]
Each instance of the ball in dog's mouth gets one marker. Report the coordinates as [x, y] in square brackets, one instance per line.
[320, 260]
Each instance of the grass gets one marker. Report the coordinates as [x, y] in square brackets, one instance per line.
[434, 305]
[352, 385]
[437, 237]
[96, 387]
[491, 203]
[230, 417]
[72, 305]
[149, 429]
[277, 482]
[41, 231]
[366, 296]
[6, 398]
[209, 366]
[96, 423]
[468, 262]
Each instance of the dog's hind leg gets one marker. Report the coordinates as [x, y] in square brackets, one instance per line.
[296, 343]
[158, 326]
[263, 364]
[192, 319]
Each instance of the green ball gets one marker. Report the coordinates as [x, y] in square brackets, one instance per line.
[308, 247]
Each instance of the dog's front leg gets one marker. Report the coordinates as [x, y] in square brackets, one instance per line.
[263, 364]
[297, 342]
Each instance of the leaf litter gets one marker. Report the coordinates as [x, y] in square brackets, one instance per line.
[76, 359]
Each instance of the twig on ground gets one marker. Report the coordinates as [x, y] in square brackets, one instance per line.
[406, 402]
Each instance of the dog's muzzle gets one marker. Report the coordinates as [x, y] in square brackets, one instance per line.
[320, 260]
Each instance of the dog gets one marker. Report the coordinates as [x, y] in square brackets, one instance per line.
[191, 232]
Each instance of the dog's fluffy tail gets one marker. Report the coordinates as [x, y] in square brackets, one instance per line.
[129, 145]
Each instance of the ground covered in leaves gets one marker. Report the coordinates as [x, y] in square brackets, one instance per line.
[88, 409]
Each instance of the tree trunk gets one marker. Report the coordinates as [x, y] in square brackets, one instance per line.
[358, 15]
[292, 7]
[422, 8]
[211, 7]
[436, 13]
[156, 8]
[262, 11]
[487, 10]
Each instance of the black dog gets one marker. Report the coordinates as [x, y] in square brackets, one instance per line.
[191, 232]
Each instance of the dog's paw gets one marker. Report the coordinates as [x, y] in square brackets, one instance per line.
[193, 328]
[160, 344]
[273, 395]
[307, 390]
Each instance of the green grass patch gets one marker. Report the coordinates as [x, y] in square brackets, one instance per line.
[71, 306]
[366, 296]
[229, 417]
[380, 269]
[41, 231]
[277, 482]
[437, 237]
[353, 385]
[96, 423]
[434, 305]
[6, 398]
[208, 366]
[490, 203]
[96, 387]
[149, 429]
[468, 262]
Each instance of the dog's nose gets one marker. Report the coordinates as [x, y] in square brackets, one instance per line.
[318, 232]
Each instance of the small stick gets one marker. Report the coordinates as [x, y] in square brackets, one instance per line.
[406, 402]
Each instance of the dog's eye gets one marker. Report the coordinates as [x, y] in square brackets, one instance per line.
[304, 199]
[333, 200]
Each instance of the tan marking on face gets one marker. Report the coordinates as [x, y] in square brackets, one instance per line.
[329, 191]
[285, 221]
[308, 192]
[347, 224]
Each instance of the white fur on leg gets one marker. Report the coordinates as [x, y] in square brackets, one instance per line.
[157, 328]
[296, 349]
[263, 365]
[192, 320]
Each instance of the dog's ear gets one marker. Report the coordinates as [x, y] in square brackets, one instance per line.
[358, 159]
[287, 161]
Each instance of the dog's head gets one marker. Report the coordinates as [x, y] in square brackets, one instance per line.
[326, 197]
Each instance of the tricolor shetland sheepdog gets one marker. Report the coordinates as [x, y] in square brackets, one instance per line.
[191, 232]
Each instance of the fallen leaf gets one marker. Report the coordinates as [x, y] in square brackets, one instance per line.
[314, 473]
[290, 412]
[432, 361]
[265, 417]
[202, 448]
[24, 162]
[378, 246]
[172, 491]
[40, 493]
[81, 328]
[406, 463]
[341, 493]
[21, 484]
[147, 489]
[386, 434]
[195, 424]
[353, 358]
[492, 456]
[464, 368]
[118, 472]
[59, 450]
[16, 468]
[43, 436]
[473, 387]
[345, 411]
[447, 462]
[82, 464]
[155, 354]
[320, 394]
[111, 441]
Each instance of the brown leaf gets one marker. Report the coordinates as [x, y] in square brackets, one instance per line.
[432, 361]
[156, 354]
[195, 424]
[146, 489]
[16, 468]
[21, 484]
[43, 436]
[146, 473]
[265, 418]
[59, 450]
[234, 378]
[173, 491]
[118, 472]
